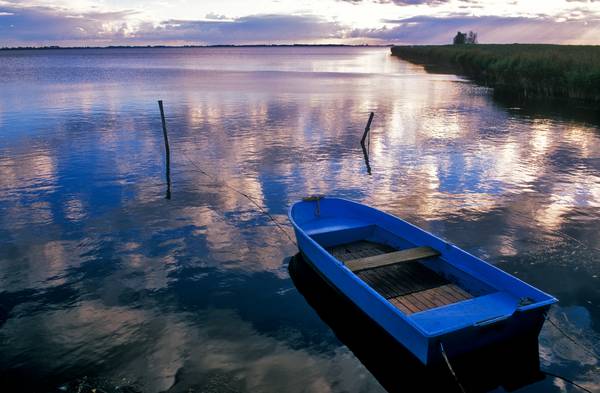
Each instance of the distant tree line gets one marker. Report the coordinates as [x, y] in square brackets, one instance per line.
[465, 38]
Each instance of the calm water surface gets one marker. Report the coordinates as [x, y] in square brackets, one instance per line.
[103, 279]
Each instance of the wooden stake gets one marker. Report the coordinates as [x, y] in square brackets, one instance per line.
[367, 128]
[167, 149]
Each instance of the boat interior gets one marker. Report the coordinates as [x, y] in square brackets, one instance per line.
[414, 279]
[400, 276]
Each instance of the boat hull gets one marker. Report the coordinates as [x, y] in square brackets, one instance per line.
[409, 330]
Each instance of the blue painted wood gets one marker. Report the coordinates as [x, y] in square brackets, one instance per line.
[501, 301]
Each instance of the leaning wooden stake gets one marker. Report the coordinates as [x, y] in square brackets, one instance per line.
[367, 128]
[167, 149]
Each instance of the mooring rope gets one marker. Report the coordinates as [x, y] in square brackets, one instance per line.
[213, 178]
[462, 389]
[581, 346]
[245, 195]
[570, 338]
[567, 380]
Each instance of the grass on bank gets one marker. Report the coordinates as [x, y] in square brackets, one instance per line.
[530, 70]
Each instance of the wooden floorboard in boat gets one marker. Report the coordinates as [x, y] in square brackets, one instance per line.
[401, 279]
[410, 286]
[430, 298]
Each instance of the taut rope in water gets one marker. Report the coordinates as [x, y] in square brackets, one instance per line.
[561, 331]
[245, 195]
[567, 380]
[443, 352]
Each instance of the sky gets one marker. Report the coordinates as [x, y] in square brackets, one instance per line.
[208, 22]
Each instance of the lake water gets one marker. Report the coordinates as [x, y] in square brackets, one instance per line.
[105, 282]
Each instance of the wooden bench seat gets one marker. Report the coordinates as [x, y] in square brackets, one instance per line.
[391, 258]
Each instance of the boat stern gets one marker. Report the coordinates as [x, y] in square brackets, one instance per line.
[522, 325]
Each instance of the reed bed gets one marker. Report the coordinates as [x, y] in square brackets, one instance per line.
[530, 70]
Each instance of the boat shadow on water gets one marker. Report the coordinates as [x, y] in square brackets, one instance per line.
[510, 365]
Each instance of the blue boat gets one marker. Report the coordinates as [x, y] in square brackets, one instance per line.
[434, 298]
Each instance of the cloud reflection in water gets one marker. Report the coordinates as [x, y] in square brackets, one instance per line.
[100, 275]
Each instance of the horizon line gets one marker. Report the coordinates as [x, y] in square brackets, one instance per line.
[52, 47]
[192, 46]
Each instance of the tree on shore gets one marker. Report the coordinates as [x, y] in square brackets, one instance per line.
[465, 38]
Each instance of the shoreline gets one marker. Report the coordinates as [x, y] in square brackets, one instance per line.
[530, 71]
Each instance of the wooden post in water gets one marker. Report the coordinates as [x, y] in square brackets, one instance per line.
[367, 129]
[367, 150]
[167, 149]
[362, 142]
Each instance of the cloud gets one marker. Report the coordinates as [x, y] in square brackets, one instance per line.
[248, 29]
[402, 2]
[50, 25]
[414, 2]
[215, 16]
[46, 26]
[58, 26]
